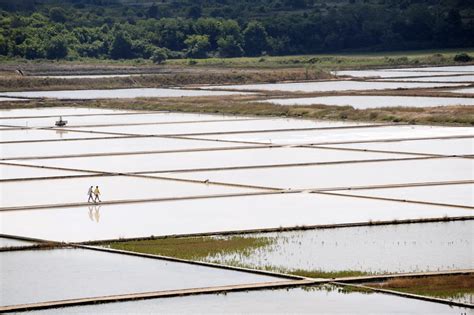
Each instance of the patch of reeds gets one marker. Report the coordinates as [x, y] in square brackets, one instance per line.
[194, 248]
[449, 286]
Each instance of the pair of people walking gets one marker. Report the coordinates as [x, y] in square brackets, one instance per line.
[94, 194]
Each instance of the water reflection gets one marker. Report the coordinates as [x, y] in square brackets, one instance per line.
[61, 132]
[94, 213]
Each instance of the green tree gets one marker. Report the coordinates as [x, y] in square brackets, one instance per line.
[159, 55]
[462, 57]
[3, 46]
[198, 46]
[57, 48]
[255, 39]
[142, 49]
[57, 15]
[229, 47]
[32, 48]
[92, 50]
[231, 27]
[152, 12]
[210, 27]
[122, 47]
[194, 12]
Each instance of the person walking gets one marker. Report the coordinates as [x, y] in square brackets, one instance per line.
[90, 193]
[97, 194]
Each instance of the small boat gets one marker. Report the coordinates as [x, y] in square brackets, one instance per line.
[61, 122]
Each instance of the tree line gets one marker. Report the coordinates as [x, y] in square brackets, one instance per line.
[104, 30]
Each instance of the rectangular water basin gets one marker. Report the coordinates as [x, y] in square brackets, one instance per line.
[327, 86]
[56, 111]
[390, 73]
[106, 146]
[304, 300]
[464, 91]
[463, 146]
[344, 175]
[455, 79]
[346, 135]
[469, 68]
[15, 172]
[370, 249]
[117, 93]
[209, 215]
[192, 161]
[9, 99]
[112, 188]
[15, 135]
[224, 126]
[462, 195]
[132, 118]
[58, 274]
[364, 102]
[11, 242]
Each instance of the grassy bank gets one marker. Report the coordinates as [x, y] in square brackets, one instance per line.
[446, 287]
[171, 79]
[333, 61]
[444, 115]
[361, 60]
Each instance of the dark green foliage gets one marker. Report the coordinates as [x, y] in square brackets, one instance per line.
[117, 29]
[3, 46]
[57, 48]
[255, 39]
[32, 49]
[194, 12]
[229, 47]
[57, 15]
[463, 57]
[159, 55]
[198, 46]
[121, 47]
[152, 12]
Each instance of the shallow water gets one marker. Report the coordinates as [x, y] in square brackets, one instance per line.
[344, 175]
[465, 91]
[10, 242]
[469, 68]
[207, 159]
[8, 99]
[463, 298]
[117, 93]
[417, 247]
[460, 79]
[326, 86]
[343, 135]
[43, 134]
[74, 190]
[439, 146]
[448, 194]
[290, 301]
[104, 146]
[223, 126]
[57, 111]
[364, 102]
[390, 73]
[46, 275]
[13, 171]
[209, 215]
[104, 119]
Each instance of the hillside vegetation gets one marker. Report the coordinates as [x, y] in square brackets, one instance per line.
[158, 30]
